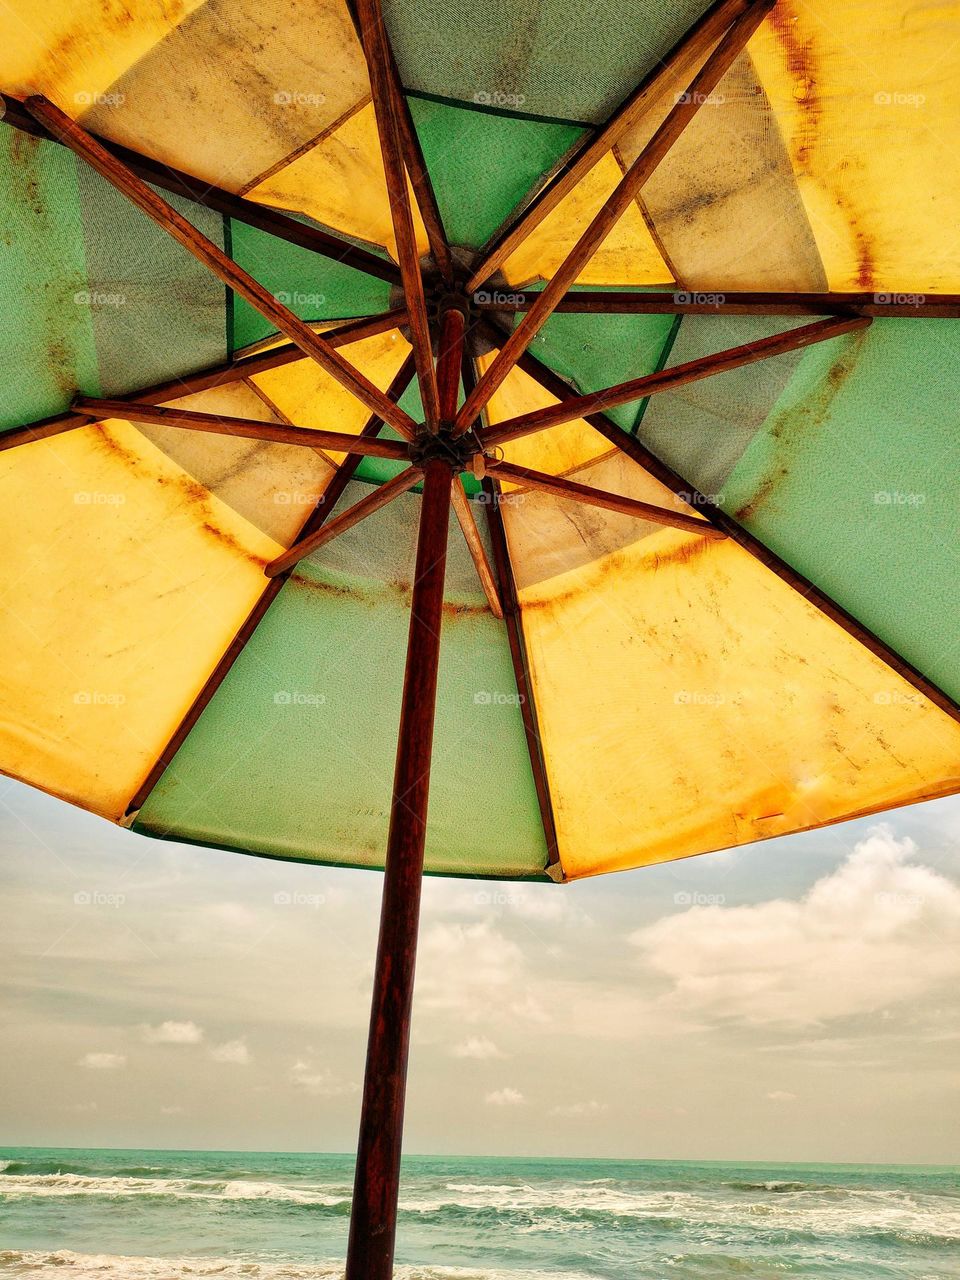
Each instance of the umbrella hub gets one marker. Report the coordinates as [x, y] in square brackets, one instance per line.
[457, 451]
[441, 296]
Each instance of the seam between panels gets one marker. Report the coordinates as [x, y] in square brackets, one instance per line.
[218, 673]
[230, 296]
[513, 620]
[661, 364]
[298, 152]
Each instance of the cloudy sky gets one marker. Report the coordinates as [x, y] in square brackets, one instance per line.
[795, 1000]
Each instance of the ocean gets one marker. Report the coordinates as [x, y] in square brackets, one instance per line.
[169, 1215]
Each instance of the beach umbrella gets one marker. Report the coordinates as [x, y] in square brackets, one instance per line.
[552, 406]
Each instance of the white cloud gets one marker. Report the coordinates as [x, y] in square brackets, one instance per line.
[875, 932]
[467, 969]
[234, 1051]
[580, 1110]
[171, 1111]
[477, 1047]
[173, 1033]
[781, 1095]
[505, 1097]
[103, 1061]
[319, 1081]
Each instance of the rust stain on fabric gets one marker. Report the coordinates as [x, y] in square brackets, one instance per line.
[101, 22]
[399, 594]
[794, 430]
[187, 492]
[803, 60]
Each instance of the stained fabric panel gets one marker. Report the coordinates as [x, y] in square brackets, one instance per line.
[867, 97]
[853, 480]
[73, 52]
[50, 348]
[536, 57]
[312, 286]
[146, 579]
[339, 182]
[483, 165]
[107, 300]
[273, 486]
[724, 202]
[702, 429]
[269, 75]
[718, 707]
[294, 756]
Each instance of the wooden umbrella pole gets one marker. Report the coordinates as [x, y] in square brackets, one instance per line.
[373, 1222]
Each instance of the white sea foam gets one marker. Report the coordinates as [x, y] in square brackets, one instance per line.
[79, 1184]
[555, 1206]
[67, 1265]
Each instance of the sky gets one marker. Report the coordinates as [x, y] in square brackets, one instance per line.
[793, 1000]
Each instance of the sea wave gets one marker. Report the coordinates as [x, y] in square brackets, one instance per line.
[78, 1266]
[117, 1186]
[798, 1210]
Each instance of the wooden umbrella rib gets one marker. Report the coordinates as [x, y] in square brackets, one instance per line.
[562, 487]
[680, 115]
[574, 406]
[507, 594]
[450, 358]
[692, 47]
[244, 428]
[304, 234]
[639, 453]
[383, 494]
[478, 552]
[373, 37]
[316, 519]
[213, 257]
[219, 375]
[715, 302]
[420, 179]
[416, 164]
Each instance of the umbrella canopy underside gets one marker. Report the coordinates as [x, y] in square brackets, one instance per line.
[678, 694]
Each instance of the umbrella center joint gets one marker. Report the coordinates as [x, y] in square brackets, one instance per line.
[457, 451]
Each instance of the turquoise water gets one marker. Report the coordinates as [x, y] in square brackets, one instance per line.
[168, 1215]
